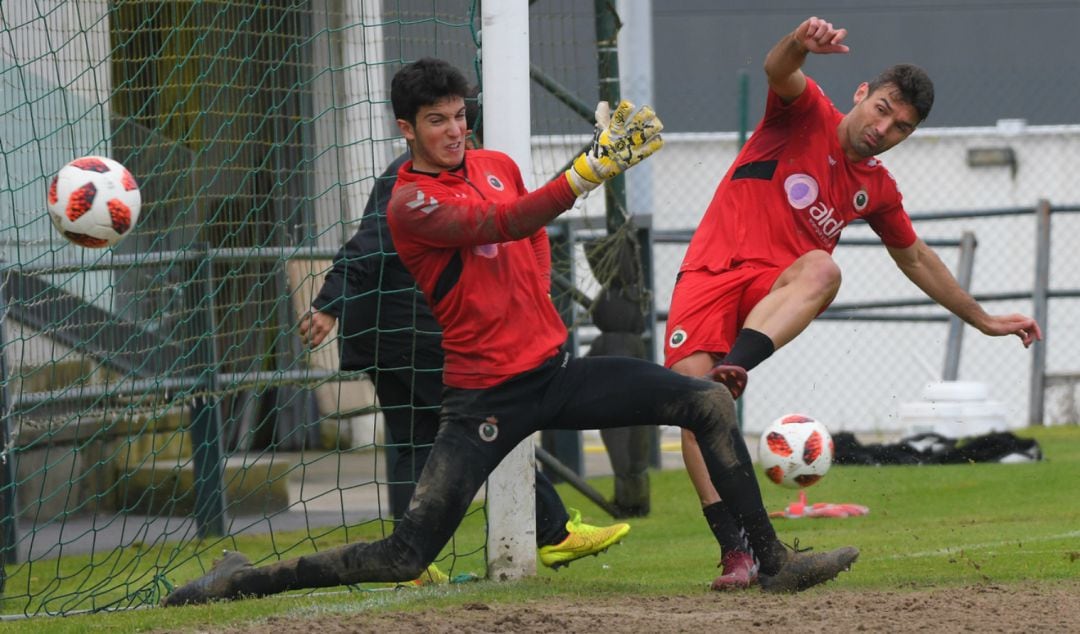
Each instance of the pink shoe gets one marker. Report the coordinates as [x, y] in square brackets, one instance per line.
[739, 572]
[732, 376]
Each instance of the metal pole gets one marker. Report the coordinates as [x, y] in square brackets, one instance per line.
[964, 274]
[564, 444]
[206, 455]
[9, 535]
[607, 53]
[564, 472]
[636, 79]
[744, 106]
[1040, 297]
[744, 127]
[562, 93]
[607, 57]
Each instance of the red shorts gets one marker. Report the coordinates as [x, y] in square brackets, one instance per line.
[708, 309]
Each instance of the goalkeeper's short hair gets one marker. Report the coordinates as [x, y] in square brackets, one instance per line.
[425, 82]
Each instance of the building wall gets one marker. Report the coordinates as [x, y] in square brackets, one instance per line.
[989, 59]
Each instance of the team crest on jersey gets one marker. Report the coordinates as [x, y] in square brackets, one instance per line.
[489, 429]
[677, 338]
[495, 183]
[860, 200]
[802, 190]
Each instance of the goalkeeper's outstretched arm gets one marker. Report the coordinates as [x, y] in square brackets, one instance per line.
[631, 136]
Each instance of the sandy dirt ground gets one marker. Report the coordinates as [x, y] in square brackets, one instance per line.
[1044, 608]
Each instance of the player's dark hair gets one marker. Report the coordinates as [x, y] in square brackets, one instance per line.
[913, 85]
[425, 82]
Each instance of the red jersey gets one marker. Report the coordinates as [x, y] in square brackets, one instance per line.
[792, 190]
[455, 232]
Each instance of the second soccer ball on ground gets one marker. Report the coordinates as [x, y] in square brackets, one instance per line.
[795, 451]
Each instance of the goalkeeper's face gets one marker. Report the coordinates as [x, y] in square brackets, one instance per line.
[438, 137]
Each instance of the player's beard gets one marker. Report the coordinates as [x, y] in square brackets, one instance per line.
[864, 148]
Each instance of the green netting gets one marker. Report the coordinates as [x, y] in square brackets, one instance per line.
[158, 405]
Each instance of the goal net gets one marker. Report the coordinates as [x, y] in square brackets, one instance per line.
[158, 404]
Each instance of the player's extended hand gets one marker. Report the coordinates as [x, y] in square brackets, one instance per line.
[819, 36]
[627, 139]
[1020, 325]
[314, 327]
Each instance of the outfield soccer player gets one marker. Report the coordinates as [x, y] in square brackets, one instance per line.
[376, 300]
[759, 267]
[474, 240]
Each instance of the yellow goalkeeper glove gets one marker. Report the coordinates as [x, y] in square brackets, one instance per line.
[628, 138]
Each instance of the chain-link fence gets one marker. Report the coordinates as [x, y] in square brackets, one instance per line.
[999, 139]
[854, 373]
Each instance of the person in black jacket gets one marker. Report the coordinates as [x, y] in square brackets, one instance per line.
[387, 329]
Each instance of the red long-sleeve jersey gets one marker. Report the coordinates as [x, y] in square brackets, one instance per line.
[474, 239]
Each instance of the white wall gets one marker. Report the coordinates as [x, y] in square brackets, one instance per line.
[53, 106]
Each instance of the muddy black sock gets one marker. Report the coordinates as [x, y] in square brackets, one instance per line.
[767, 549]
[728, 534]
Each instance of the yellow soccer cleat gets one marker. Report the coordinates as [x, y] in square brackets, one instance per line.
[430, 577]
[583, 540]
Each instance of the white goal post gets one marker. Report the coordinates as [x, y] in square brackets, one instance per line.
[504, 55]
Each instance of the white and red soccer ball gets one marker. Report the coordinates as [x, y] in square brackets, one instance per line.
[94, 201]
[795, 451]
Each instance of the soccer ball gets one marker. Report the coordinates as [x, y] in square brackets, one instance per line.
[94, 201]
[795, 451]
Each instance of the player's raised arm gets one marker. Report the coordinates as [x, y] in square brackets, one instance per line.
[783, 64]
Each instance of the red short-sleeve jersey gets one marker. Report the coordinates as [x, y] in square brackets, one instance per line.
[792, 190]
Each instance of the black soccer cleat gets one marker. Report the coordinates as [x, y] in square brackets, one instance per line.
[805, 569]
[215, 584]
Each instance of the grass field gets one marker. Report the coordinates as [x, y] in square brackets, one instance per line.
[928, 527]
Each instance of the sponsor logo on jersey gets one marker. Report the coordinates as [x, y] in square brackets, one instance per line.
[802, 193]
[489, 251]
[822, 216]
[677, 338]
[802, 190]
[495, 183]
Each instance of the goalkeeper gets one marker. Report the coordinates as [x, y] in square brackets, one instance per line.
[474, 240]
[373, 295]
